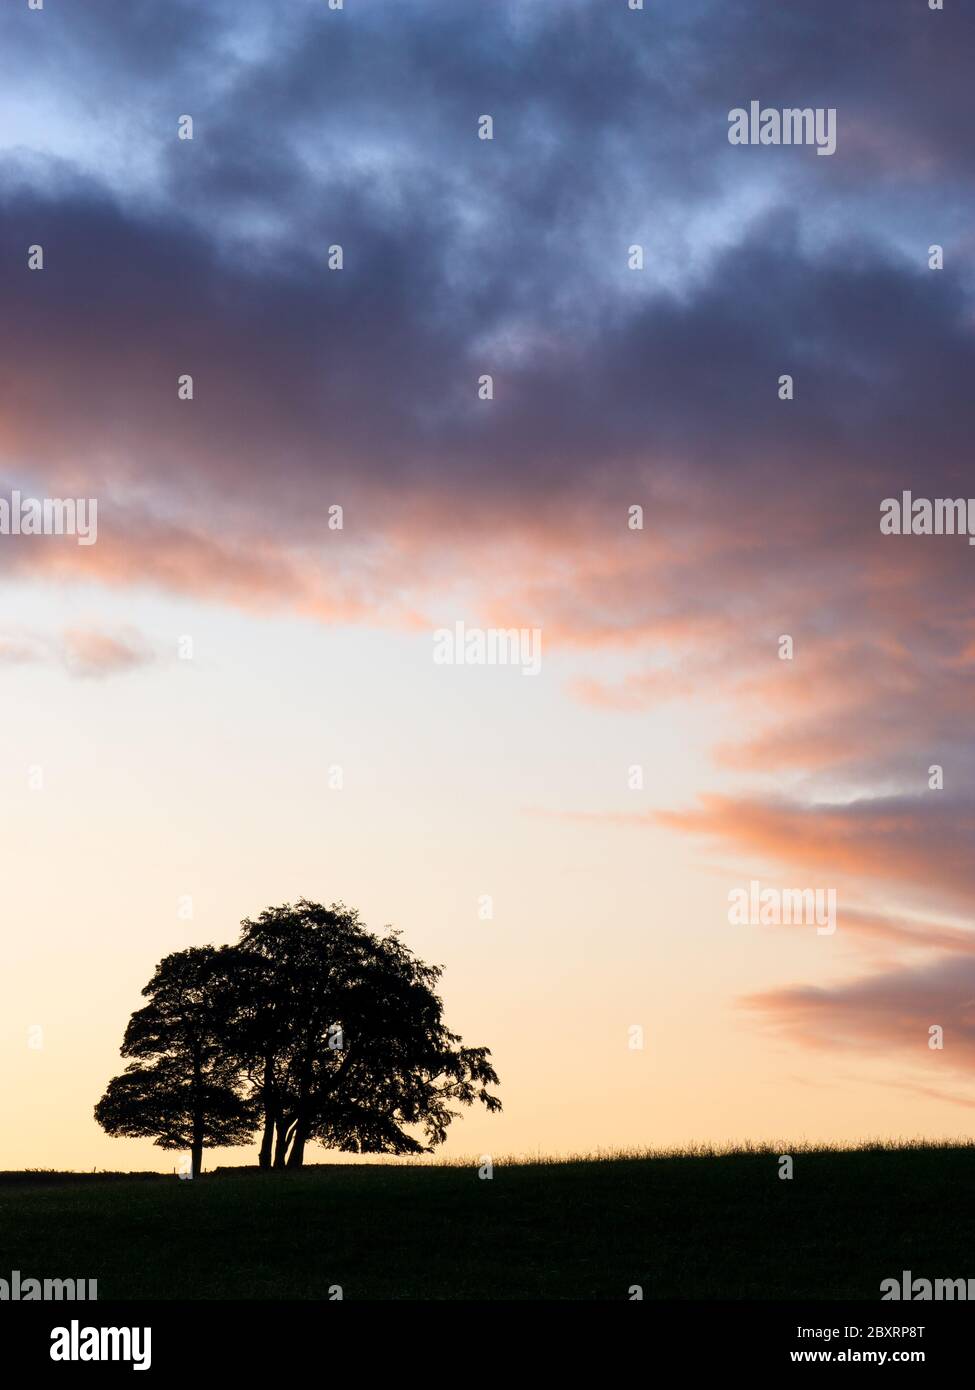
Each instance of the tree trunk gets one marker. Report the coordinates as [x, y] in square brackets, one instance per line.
[196, 1150]
[264, 1157]
[281, 1148]
[297, 1156]
[196, 1154]
[270, 1109]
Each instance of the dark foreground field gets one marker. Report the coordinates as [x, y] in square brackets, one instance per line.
[723, 1226]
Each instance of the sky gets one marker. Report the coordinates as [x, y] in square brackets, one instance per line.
[226, 702]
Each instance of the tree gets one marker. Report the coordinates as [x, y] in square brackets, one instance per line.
[185, 1088]
[343, 1038]
[311, 1026]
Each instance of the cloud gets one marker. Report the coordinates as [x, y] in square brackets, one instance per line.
[920, 846]
[95, 654]
[81, 651]
[884, 1014]
[19, 650]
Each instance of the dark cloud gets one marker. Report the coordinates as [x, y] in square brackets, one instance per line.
[465, 256]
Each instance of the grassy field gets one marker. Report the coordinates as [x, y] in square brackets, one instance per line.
[682, 1226]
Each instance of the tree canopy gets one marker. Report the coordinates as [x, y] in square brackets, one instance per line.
[184, 1088]
[311, 1028]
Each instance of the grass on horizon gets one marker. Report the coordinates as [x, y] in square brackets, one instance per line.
[539, 1156]
[701, 1223]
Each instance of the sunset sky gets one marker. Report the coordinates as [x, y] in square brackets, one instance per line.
[140, 770]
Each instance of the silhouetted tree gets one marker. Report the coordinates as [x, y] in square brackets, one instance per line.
[344, 1040]
[185, 1088]
[313, 1026]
